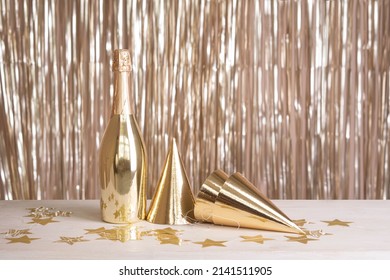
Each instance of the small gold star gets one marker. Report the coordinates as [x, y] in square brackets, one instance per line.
[257, 239]
[208, 243]
[23, 239]
[116, 203]
[168, 239]
[301, 239]
[71, 240]
[300, 222]
[95, 231]
[17, 232]
[42, 222]
[167, 230]
[337, 222]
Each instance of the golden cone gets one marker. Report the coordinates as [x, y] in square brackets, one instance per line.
[208, 193]
[240, 204]
[173, 201]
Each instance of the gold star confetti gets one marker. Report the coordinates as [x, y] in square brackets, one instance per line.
[95, 231]
[71, 240]
[45, 212]
[301, 239]
[116, 203]
[337, 222]
[209, 243]
[257, 239]
[42, 221]
[167, 230]
[168, 239]
[17, 232]
[300, 222]
[23, 239]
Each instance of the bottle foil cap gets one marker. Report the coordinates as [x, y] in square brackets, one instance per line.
[121, 60]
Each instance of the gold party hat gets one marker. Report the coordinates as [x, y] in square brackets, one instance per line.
[208, 193]
[234, 201]
[173, 202]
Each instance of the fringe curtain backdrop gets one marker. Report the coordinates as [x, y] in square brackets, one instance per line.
[294, 94]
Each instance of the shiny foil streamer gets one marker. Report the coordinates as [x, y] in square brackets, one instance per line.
[293, 94]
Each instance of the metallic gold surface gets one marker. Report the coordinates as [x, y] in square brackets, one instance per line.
[173, 202]
[293, 94]
[123, 162]
[240, 204]
[207, 195]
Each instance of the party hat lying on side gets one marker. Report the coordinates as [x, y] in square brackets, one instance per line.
[234, 201]
[173, 201]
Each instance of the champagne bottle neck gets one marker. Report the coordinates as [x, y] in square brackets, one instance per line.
[123, 96]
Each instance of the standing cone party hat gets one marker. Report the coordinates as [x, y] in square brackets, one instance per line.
[173, 202]
[234, 201]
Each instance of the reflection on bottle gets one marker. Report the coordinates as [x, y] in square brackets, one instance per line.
[123, 161]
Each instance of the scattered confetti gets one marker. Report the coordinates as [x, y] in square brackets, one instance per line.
[257, 239]
[42, 221]
[17, 232]
[300, 222]
[45, 212]
[301, 239]
[95, 231]
[71, 240]
[23, 239]
[315, 233]
[337, 222]
[209, 243]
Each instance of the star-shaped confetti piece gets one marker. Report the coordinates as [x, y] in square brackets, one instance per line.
[71, 240]
[95, 230]
[17, 232]
[167, 230]
[301, 239]
[257, 239]
[300, 222]
[23, 239]
[169, 239]
[42, 221]
[45, 212]
[337, 222]
[209, 243]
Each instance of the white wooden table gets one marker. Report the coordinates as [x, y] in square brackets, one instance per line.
[29, 232]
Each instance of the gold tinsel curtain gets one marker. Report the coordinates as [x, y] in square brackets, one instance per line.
[294, 94]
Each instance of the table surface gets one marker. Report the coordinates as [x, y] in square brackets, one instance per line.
[47, 230]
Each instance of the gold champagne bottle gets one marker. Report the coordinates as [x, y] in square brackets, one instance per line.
[123, 162]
